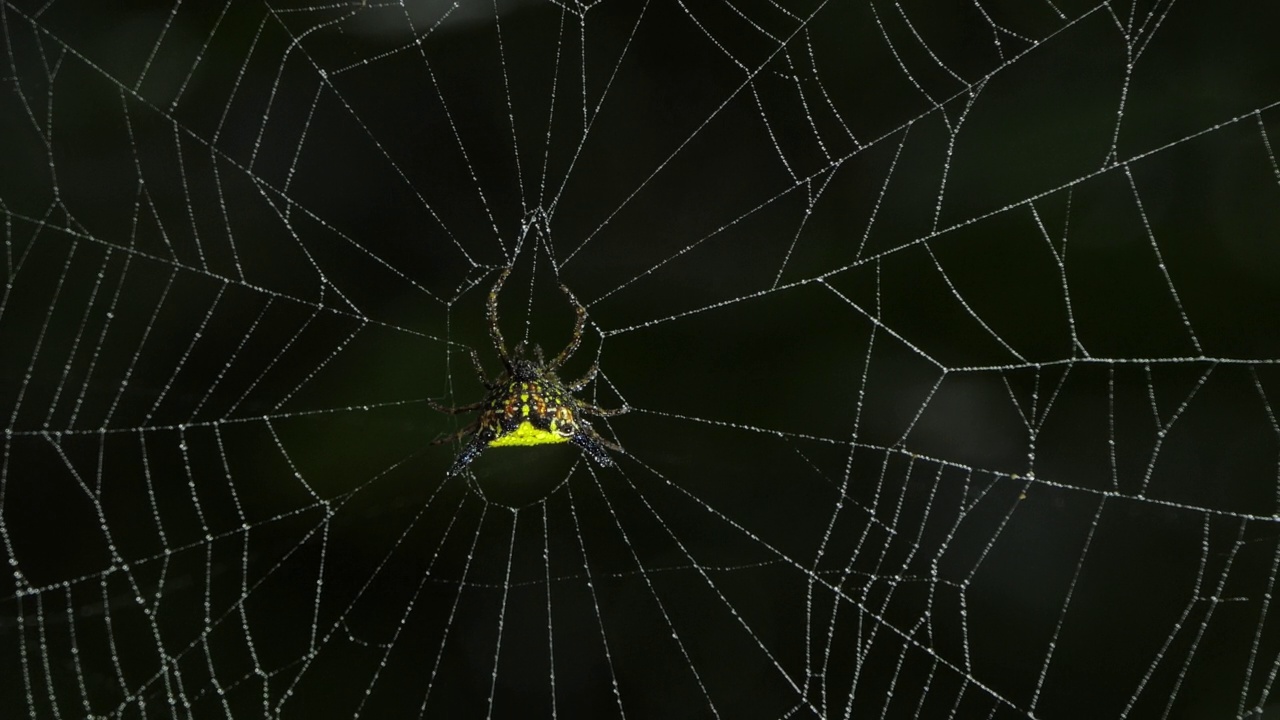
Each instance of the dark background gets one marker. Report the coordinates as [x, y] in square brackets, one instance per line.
[949, 332]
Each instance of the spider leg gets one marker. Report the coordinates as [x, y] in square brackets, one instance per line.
[578, 325]
[454, 436]
[594, 445]
[475, 361]
[455, 410]
[495, 333]
[603, 412]
[580, 383]
[471, 451]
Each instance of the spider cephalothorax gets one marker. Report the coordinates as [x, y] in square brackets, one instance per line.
[528, 404]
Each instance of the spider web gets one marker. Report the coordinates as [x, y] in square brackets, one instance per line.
[948, 332]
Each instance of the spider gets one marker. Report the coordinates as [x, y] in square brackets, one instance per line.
[528, 404]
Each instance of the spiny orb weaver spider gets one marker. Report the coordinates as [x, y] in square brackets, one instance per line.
[528, 404]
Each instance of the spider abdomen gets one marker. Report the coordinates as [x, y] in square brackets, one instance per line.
[530, 413]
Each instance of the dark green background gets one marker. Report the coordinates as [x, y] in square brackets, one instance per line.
[231, 289]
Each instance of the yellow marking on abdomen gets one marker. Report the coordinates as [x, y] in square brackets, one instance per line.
[527, 434]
